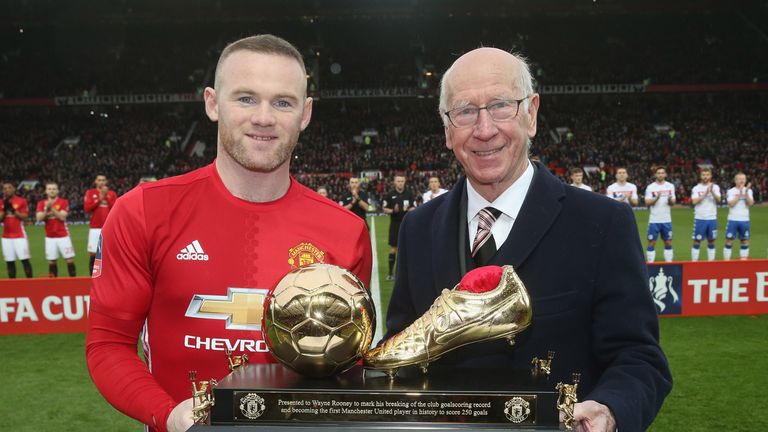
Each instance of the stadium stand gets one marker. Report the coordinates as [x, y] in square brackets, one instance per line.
[58, 50]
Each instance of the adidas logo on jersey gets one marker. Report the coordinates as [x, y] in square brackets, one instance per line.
[193, 252]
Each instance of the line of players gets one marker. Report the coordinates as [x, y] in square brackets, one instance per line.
[660, 196]
[53, 210]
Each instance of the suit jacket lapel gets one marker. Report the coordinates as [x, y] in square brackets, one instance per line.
[538, 213]
[445, 239]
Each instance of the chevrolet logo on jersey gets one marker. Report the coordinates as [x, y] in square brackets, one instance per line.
[242, 308]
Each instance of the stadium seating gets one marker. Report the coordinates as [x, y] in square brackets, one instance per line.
[49, 49]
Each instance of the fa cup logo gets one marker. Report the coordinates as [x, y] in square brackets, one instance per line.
[661, 287]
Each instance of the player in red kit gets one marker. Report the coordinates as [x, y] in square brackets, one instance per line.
[15, 244]
[187, 262]
[54, 210]
[97, 202]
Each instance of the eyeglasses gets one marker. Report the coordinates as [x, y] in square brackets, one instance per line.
[500, 111]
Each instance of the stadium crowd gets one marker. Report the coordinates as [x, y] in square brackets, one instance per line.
[73, 149]
[724, 131]
[378, 138]
[638, 132]
[375, 138]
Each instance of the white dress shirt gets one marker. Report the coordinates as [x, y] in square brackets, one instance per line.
[508, 203]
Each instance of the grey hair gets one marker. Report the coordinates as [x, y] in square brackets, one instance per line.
[524, 81]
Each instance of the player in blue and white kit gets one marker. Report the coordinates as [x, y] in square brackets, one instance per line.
[705, 196]
[740, 198]
[659, 197]
[622, 190]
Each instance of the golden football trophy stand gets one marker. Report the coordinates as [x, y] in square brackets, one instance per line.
[319, 321]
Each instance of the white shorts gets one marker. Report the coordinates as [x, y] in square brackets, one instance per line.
[15, 248]
[93, 239]
[58, 245]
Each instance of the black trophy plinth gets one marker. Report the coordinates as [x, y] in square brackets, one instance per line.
[273, 396]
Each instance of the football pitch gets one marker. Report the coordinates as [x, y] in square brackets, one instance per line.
[718, 363]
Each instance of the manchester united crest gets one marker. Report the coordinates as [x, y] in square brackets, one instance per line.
[304, 254]
[252, 406]
[517, 409]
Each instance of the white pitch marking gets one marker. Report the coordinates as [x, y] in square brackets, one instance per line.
[375, 290]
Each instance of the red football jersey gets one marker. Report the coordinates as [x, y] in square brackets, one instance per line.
[97, 208]
[191, 264]
[12, 226]
[53, 226]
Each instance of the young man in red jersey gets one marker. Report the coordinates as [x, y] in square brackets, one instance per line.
[179, 256]
[15, 244]
[54, 210]
[97, 202]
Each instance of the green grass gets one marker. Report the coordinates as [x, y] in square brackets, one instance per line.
[719, 370]
[382, 250]
[46, 387]
[718, 363]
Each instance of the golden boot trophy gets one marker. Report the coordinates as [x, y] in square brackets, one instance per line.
[455, 319]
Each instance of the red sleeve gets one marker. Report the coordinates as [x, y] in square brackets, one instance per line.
[65, 206]
[90, 204]
[24, 207]
[111, 198]
[362, 268]
[120, 300]
[40, 206]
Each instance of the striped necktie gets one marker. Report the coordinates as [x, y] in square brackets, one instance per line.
[484, 247]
